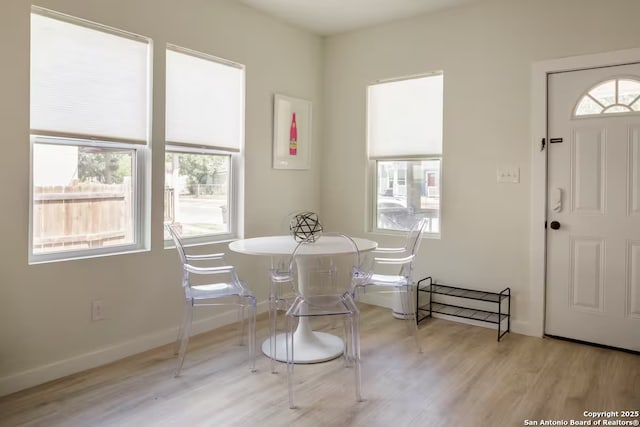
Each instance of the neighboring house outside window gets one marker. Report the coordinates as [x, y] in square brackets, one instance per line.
[90, 91]
[404, 123]
[204, 134]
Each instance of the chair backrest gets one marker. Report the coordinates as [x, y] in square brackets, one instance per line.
[329, 264]
[280, 264]
[412, 245]
[199, 270]
[414, 237]
[175, 235]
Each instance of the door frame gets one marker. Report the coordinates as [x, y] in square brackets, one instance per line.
[538, 244]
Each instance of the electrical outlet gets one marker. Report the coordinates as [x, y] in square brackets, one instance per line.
[510, 175]
[97, 310]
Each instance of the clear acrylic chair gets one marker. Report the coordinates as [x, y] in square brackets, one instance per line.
[281, 291]
[401, 283]
[323, 288]
[281, 294]
[208, 280]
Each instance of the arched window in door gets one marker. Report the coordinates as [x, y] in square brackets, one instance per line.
[621, 95]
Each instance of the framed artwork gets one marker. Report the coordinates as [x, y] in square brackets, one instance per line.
[291, 133]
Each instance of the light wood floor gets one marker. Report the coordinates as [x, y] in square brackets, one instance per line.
[463, 378]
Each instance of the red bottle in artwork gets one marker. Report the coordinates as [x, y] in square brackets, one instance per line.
[293, 137]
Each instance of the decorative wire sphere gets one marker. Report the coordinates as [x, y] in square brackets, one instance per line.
[305, 225]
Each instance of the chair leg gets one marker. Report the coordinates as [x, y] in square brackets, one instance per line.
[414, 319]
[402, 293]
[273, 330]
[289, 347]
[252, 334]
[348, 342]
[241, 315]
[412, 325]
[355, 339]
[354, 306]
[184, 338]
[185, 315]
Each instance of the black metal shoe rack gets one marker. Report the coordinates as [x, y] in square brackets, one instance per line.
[501, 298]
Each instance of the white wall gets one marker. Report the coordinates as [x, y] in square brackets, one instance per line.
[45, 327]
[486, 51]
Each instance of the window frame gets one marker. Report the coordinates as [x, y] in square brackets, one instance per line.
[372, 167]
[603, 113]
[373, 196]
[141, 166]
[235, 161]
[139, 202]
[236, 164]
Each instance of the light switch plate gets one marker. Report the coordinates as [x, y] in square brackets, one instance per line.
[509, 175]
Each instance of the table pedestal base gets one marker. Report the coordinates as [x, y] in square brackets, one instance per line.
[314, 347]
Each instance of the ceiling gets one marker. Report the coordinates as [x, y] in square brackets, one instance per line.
[327, 17]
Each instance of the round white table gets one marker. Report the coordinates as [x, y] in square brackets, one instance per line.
[311, 347]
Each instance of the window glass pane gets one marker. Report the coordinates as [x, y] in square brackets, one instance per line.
[82, 197]
[605, 93]
[402, 201]
[405, 117]
[86, 81]
[588, 106]
[636, 106]
[628, 91]
[197, 193]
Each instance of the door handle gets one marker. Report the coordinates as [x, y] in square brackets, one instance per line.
[555, 225]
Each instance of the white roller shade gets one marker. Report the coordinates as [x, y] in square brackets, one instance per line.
[87, 80]
[405, 117]
[204, 101]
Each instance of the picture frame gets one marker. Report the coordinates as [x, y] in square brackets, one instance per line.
[291, 133]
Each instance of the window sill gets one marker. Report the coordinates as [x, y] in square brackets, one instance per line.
[48, 259]
[200, 241]
[397, 233]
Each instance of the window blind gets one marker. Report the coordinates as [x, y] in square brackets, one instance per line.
[405, 117]
[88, 81]
[204, 101]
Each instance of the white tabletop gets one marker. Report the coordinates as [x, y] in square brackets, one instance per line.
[285, 245]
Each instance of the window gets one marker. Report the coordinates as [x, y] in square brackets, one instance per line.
[89, 131]
[404, 120]
[204, 133]
[613, 96]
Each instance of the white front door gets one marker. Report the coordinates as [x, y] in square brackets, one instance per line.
[593, 206]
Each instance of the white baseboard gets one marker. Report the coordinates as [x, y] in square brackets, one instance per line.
[517, 327]
[379, 299]
[61, 368]
[524, 328]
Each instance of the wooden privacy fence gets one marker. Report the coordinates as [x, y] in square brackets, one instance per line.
[82, 215]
